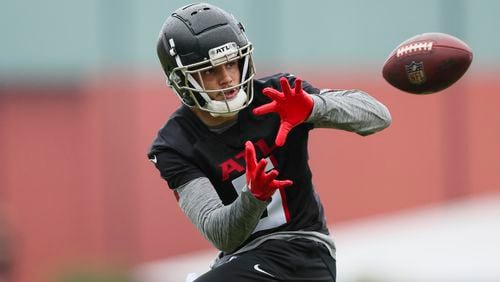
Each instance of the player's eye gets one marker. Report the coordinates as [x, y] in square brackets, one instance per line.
[208, 72]
[231, 64]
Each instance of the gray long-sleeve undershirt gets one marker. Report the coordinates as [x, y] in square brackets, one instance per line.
[350, 110]
[226, 227]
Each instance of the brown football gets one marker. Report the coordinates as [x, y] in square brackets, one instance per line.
[427, 63]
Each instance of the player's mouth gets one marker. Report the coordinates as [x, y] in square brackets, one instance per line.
[230, 94]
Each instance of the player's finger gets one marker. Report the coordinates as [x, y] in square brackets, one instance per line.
[273, 94]
[265, 109]
[298, 86]
[283, 131]
[250, 159]
[285, 86]
[270, 176]
[278, 184]
[261, 166]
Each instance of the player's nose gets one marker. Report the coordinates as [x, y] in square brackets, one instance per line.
[225, 78]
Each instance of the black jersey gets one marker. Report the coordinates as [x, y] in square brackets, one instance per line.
[186, 148]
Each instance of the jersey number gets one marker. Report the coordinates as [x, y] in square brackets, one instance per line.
[276, 211]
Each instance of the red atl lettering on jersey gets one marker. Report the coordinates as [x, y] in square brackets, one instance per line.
[237, 163]
[232, 165]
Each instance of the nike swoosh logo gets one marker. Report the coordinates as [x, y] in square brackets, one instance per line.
[153, 159]
[257, 267]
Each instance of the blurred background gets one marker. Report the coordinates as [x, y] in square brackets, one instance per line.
[82, 95]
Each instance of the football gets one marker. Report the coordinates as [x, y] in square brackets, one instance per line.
[427, 63]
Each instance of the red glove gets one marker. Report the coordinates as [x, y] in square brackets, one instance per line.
[261, 184]
[293, 105]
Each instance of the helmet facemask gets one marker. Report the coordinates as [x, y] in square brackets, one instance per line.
[187, 83]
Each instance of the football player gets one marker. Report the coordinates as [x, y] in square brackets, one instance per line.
[241, 174]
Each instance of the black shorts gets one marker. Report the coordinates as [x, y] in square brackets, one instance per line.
[277, 260]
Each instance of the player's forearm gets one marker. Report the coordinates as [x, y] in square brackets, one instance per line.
[226, 227]
[350, 110]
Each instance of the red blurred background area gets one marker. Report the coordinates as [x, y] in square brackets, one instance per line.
[77, 188]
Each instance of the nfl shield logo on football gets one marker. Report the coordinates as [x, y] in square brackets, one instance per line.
[415, 72]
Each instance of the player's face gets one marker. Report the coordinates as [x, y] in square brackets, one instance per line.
[219, 77]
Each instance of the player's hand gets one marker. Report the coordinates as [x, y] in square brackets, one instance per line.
[261, 184]
[293, 106]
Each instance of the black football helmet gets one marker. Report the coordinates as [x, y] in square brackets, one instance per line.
[196, 38]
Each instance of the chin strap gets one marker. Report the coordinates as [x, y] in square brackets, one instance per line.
[231, 107]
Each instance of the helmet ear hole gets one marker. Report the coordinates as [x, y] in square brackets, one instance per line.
[198, 98]
[187, 94]
[187, 99]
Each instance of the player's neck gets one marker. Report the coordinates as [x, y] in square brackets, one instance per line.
[212, 121]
